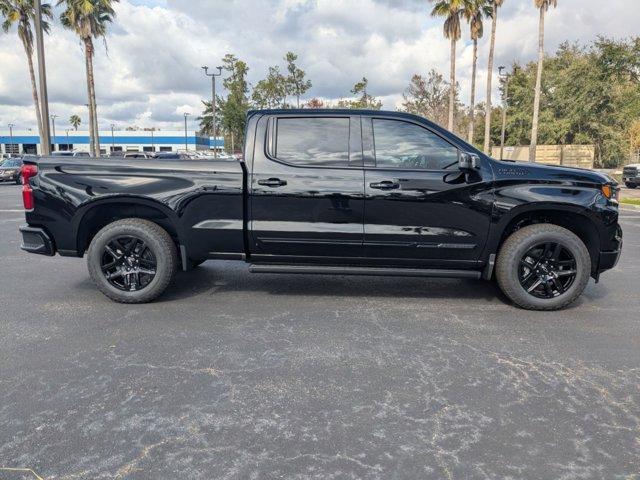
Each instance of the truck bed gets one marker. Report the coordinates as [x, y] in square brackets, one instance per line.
[203, 199]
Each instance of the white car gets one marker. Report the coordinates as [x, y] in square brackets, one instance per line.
[70, 153]
[137, 155]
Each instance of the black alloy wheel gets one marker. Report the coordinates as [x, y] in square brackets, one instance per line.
[128, 263]
[547, 270]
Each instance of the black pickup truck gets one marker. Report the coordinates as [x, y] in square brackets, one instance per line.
[334, 192]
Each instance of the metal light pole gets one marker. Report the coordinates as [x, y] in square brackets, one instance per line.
[113, 141]
[213, 105]
[45, 140]
[67, 133]
[53, 140]
[11, 125]
[186, 145]
[153, 141]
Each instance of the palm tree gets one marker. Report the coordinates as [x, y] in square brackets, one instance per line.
[474, 12]
[89, 19]
[75, 121]
[543, 6]
[451, 10]
[22, 13]
[487, 113]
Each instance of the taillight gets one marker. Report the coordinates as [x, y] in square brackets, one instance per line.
[28, 172]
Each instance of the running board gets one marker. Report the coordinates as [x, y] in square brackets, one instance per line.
[371, 271]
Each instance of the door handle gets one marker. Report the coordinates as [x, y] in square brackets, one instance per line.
[385, 185]
[272, 182]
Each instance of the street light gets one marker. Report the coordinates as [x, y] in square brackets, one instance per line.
[113, 142]
[53, 120]
[186, 145]
[213, 105]
[11, 125]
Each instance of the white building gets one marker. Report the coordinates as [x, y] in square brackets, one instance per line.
[27, 141]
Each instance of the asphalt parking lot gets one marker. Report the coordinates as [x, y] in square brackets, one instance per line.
[239, 376]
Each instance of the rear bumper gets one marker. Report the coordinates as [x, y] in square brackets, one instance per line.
[36, 240]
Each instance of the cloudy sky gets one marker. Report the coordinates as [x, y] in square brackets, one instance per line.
[151, 72]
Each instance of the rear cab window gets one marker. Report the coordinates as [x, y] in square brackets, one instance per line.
[316, 141]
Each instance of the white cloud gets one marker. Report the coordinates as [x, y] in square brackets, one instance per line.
[151, 74]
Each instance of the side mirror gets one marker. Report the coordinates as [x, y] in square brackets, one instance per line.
[468, 161]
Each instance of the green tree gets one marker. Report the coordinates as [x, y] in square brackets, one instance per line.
[543, 6]
[492, 45]
[272, 91]
[451, 10]
[22, 13]
[206, 119]
[363, 99]
[297, 84]
[475, 11]
[588, 95]
[428, 97]
[234, 108]
[75, 121]
[89, 19]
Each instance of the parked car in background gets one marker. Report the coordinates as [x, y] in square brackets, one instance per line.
[631, 175]
[70, 153]
[10, 170]
[349, 192]
[172, 156]
[137, 155]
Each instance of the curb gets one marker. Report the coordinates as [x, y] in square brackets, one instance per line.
[629, 208]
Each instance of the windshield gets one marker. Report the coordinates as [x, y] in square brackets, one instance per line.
[11, 163]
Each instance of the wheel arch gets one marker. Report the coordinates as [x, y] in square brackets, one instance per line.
[576, 219]
[92, 217]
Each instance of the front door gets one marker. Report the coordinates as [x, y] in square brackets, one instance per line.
[307, 189]
[419, 207]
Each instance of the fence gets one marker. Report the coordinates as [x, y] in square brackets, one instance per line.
[581, 156]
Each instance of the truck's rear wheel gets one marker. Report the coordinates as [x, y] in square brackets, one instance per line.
[631, 185]
[132, 260]
[543, 267]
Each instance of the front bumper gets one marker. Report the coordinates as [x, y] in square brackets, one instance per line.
[36, 240]
[609, 259]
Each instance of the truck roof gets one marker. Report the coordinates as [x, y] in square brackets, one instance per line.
[330, 111]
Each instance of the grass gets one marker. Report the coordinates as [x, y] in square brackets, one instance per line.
[630, 201]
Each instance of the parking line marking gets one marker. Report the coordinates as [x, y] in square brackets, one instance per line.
[12, 211]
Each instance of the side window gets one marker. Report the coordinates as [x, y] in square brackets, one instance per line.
[313, 141]
[406, 145]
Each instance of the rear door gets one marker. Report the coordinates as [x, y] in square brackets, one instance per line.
[307, 189]
[420, 208]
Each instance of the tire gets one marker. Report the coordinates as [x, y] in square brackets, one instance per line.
[157, 247]
[514, 260]
[18, 181]
[631, 185]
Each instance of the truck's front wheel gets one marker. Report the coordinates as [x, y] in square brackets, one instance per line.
[132, 260]
[543, 267]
